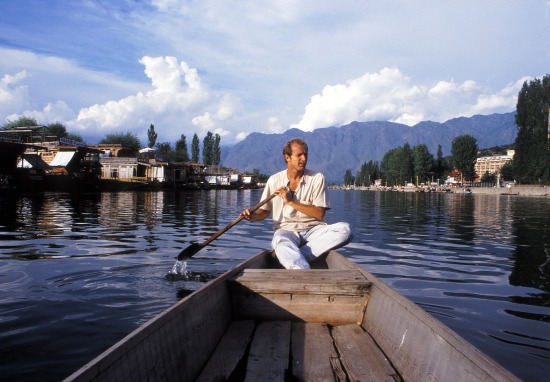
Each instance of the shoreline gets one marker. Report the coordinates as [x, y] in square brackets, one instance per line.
[516, 190]
[511, 190]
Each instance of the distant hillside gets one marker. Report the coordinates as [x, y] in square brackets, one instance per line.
[332, 150]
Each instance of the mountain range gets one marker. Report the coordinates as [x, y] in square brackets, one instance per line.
[333, 150]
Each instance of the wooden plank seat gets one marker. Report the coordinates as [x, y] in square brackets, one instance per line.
[285, 351]
[325, 296]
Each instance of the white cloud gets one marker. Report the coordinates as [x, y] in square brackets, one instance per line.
[274, 125]
[502, 100]
[51, 89]
[177, 95]
[178, 102]
[205, 121]
[15, 102]
[13, 96]
[390, 95]
[53, 112]
[50, 77]
[209, 121]
[234, 68]
[241, 136]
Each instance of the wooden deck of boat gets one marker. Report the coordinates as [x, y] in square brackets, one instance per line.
[298, 326]
[297, 351]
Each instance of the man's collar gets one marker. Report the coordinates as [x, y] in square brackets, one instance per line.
[302, 180]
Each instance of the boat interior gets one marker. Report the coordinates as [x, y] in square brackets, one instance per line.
[258, 322]
[303, 325]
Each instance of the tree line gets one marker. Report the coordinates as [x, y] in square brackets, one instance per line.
[530, 165]
[401, 165]
[211, 150]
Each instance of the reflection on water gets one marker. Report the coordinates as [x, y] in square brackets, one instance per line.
[479, 263]
[77, 273]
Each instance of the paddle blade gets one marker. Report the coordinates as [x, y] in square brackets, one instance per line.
[189, 251]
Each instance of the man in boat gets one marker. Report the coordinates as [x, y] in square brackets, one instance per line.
[301, 234]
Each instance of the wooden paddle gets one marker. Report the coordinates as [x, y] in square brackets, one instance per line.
[196, 247]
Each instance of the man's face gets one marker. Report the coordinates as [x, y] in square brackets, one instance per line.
[298, 159]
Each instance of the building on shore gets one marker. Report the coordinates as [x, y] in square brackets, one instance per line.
[32, 160]
[493, 163]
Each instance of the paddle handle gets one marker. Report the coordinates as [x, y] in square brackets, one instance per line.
[227, 227]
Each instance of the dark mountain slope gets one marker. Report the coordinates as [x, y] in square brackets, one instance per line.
[335, 149]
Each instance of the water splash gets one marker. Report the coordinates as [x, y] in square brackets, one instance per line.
[179, 268]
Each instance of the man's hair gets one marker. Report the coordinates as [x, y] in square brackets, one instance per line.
[287, 148]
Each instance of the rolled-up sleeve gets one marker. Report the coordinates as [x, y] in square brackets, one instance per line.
[319, 191]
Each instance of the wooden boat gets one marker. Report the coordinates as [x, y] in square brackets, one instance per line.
[258, 322]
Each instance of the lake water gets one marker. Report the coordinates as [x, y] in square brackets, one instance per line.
[77, 273]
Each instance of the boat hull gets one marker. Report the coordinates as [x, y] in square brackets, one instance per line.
[178, 343]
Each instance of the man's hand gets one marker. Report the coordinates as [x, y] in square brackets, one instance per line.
[256, 216]
[246, 214]
[284, 193]
[308, 209]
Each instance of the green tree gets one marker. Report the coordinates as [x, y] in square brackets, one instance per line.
[182, 155]
[207, 148]
[390, 167]
[488, 178]
[20, 122]
[165, 152]
[422, 162]
[440, 166]
[75, 137]
[52, 131]
[128, 141]
[406, 169]
[368, 173]
[58, 129]
[216, 150]
[532, 157]
[361, 178]
[259, 177]
[464, 151]
[507, 171]
[348, 178]
[151, 136]
[195, 149]
[374, 172]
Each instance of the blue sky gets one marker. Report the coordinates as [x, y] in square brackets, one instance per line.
[236, 67]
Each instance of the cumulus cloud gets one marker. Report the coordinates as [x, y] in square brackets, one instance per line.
[391, 95]
[177, 95]
[53, 112]
[211, 121]
[13, 94]
[176, 89]
[52, 88]
[176, 100]
[233, 82]
[501, 100]
[14, 102]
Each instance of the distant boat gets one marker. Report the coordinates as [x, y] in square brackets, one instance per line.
[258, 322]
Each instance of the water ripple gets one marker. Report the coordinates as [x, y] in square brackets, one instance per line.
[77, 273]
